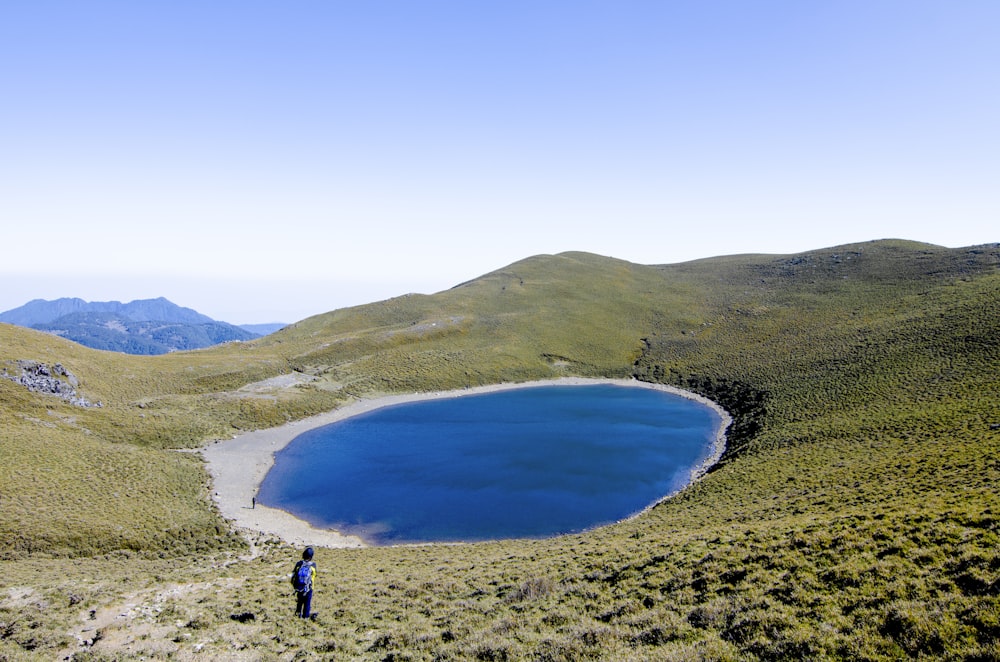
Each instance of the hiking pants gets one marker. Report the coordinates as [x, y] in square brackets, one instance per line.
[303, 603]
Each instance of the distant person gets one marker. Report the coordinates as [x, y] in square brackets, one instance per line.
[302, 582]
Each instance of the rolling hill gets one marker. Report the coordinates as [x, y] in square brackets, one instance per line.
[854, 514]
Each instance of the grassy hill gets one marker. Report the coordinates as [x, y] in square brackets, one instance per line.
[853, 516]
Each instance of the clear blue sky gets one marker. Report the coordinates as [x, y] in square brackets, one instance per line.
[266, 161]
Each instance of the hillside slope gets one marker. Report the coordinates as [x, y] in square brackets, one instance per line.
[854, 515]
[115, 333]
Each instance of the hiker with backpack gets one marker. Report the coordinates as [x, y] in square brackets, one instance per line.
[302, 582]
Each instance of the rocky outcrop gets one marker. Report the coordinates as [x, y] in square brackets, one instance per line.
[55, 380]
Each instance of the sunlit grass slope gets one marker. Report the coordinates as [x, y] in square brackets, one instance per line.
[854, 515]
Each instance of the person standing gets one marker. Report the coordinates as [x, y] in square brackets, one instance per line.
[302, 582]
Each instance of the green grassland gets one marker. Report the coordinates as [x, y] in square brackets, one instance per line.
[854, 514]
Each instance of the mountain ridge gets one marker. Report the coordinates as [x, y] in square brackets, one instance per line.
[161, 309]
[142, 326]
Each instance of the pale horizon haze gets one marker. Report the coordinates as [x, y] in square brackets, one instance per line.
[265, 162]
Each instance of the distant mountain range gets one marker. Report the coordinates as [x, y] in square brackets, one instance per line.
[144, 326]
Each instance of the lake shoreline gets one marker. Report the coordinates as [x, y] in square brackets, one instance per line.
[239, 465]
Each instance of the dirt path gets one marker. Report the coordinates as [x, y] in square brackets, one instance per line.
[135, 624]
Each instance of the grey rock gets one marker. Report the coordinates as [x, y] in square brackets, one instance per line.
[56, 380]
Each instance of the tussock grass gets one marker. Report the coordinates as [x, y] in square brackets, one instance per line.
[854, 515]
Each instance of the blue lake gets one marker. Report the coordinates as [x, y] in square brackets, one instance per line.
[527, 462]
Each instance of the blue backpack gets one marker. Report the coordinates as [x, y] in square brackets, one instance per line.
[302, 576]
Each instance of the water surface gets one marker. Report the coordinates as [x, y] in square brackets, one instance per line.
[527, 462]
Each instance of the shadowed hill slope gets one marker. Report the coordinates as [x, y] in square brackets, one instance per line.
[854, 515]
